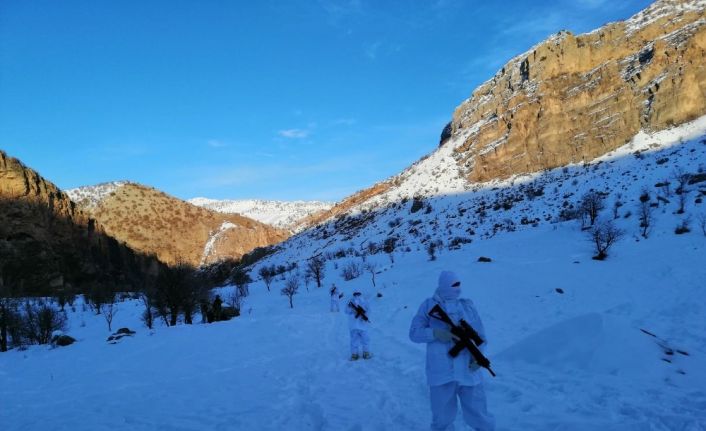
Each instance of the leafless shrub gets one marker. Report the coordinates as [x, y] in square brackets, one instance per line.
[683, 227]
[351, 271]
[604, 235]
[39, 320]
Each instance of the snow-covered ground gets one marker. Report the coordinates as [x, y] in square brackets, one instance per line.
[282, 214]
[576, 360]
[620, 346]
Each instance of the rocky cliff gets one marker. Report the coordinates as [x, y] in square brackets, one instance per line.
[568, 99]
[153, 222]
[47, 243]
[572, 98]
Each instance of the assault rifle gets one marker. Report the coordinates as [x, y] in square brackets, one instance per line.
[468, 338]
[359, 312]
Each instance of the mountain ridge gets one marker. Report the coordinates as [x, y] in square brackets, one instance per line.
[502, 129]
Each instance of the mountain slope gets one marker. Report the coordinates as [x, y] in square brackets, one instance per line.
[569, 337]
[567, 100]
[154, 222]
[284, 215]
[48, 244]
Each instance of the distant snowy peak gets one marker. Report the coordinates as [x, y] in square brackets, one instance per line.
[282, 214]
[89, 197]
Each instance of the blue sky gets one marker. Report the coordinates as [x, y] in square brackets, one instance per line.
[267, 99]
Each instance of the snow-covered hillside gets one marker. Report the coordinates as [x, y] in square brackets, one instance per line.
[90, 196]
[577, 344]
[280, 214]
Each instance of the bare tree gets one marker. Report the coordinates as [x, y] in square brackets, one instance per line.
[267, 276]
[591, 205]
[109, 309]
[431, 250]
[291, 288]
[682, 179]
[173, 287]
[241, 279]
[664, 185]
[308, 276]
[316, 266]
[616, 205]
[236, 300]
[372, 268]
[98, 292]
[645, 216]
[604, 235]
[389, 247]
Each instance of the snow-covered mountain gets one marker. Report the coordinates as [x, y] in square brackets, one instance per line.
[577, 344]
[156, 223]
[282, 214]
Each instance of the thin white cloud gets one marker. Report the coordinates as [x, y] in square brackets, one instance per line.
[293, 133]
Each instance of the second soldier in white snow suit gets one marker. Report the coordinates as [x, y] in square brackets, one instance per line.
[335, 298]
[358, 312]
[452, 379]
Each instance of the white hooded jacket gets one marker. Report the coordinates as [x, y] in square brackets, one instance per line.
[441, 368]
[353, 322]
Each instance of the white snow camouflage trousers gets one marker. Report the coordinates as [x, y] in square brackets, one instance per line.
[444, 404]
[359, 341]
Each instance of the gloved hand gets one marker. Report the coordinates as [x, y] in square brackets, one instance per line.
[444, 335]
[473, 365]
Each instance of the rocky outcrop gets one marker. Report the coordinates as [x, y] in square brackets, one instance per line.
[25, 186]
[48, 244]
[175, 231]
[568, 99]
[572, 98]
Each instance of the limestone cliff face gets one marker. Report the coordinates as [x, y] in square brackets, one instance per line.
[566, 100]
[153, 222]
[573, 98]
[25, 186]
[47, 243]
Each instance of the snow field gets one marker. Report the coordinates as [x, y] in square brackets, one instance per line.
[576, 360]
